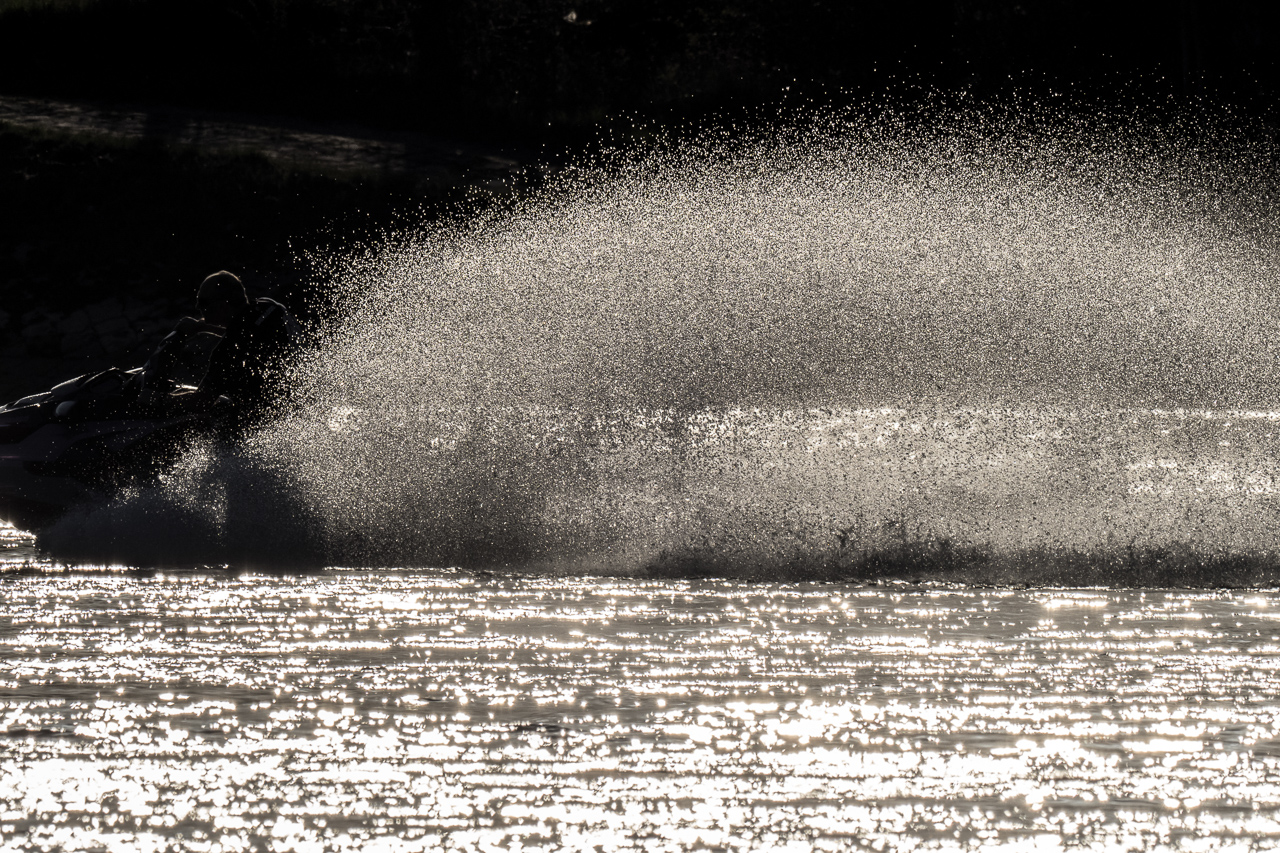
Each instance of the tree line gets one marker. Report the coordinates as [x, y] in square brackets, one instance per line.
[517, 66]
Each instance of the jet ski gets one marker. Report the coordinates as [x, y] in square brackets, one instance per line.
[85, 439]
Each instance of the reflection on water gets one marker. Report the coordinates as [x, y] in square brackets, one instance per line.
[406, 710]
[16, 547]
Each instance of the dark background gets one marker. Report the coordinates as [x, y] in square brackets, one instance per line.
[90, 219]
[530, 68]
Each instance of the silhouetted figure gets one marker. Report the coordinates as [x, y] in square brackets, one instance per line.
[250, 364]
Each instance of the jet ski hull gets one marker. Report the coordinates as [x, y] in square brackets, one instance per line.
[79, 444]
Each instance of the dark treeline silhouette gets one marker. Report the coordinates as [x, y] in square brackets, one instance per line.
[516, 66]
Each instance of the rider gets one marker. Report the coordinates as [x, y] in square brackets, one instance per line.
[258, 337]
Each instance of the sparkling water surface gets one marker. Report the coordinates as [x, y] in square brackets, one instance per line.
[414, 710]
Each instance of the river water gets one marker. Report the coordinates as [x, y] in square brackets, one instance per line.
[429, 709]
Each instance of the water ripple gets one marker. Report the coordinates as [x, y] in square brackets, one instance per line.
[406, 710]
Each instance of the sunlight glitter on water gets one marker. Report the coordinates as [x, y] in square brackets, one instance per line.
[403, 710]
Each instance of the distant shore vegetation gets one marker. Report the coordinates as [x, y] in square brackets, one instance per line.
[90, 216]
[519, 67]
